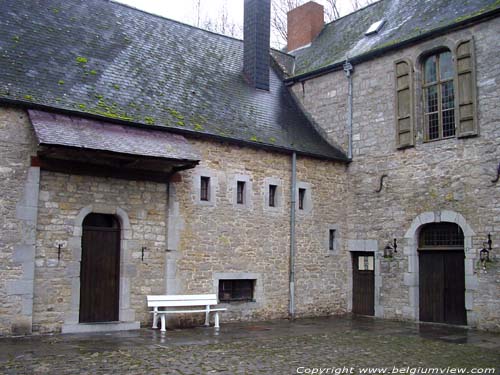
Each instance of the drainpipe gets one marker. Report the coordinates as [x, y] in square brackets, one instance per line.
[348, 69]
[292, 237]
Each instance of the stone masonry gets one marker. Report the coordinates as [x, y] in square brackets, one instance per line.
[448, 180]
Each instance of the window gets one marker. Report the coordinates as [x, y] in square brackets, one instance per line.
[205, 188]
[302, 196]
[236, 290]
[439, 96]
[240, 192]
[331, 239]
[272, 195]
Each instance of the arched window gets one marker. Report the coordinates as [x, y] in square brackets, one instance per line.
[439, 96]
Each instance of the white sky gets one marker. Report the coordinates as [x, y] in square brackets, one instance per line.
[185, 10]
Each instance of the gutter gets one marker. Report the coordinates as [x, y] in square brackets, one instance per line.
[383, 50]
[292, 237]
[348, 69]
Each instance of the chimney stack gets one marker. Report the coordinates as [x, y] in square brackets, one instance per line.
[304, 23]
[256, 39]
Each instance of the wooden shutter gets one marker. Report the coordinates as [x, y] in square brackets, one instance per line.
[466, 113]
[404, 104]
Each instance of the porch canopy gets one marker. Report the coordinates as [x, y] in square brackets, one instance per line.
[71, 144]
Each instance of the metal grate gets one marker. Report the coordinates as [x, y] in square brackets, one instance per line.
[442, 235]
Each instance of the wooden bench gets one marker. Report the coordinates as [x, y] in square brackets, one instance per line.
[160, 303]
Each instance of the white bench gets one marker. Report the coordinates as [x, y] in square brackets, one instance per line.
[160, 303]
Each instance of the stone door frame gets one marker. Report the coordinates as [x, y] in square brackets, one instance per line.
[127, 270]
[411, 278]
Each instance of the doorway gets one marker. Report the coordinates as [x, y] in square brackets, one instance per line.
[363, 283]
[100, 269]
[442, 274]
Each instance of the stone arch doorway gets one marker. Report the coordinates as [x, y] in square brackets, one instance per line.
[411, 277]
[100, 269]
[441, 273]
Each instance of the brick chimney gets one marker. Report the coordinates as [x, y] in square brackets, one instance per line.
[304, 23]
[256, 39]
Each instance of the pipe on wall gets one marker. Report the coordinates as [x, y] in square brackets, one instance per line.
[292, 236]
[348, 69]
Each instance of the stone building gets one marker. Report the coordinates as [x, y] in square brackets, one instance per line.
[143, 156]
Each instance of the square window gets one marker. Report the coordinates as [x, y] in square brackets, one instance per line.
[272, 195]
[205, 188]
[236, 290]
[302, 197]
[331, 239]
[240, 192]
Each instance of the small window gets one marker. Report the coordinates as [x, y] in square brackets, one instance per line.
[205, 188]
[272, 195]
[439, 96]
[331, 239]
[302, 197]
[375, 27]
[240, 193]
[236, 290]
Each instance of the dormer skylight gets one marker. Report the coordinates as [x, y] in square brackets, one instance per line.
[375, 27]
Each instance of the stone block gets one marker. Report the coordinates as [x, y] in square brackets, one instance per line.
[23, 253]
[19, 287]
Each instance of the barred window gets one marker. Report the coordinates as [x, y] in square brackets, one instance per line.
[439, 96]
[240, 192]
[205, 188]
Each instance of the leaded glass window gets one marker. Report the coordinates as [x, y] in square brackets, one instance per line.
[439, 97]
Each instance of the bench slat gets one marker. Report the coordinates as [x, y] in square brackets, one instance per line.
[185, 311]
[181, 303]
[182, 297]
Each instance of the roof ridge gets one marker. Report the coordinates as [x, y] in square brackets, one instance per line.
[354, 12]
[116, 2]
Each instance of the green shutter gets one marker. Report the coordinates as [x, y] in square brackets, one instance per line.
[466, 112]
[404, 104]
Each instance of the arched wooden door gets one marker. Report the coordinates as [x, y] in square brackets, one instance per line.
[100, 269]
[442, 274]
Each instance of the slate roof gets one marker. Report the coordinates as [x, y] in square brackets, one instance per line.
[106, 59]
[75, 131]
[405, 20]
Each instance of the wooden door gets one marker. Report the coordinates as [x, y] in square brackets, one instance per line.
[442, 286]
[363, 283]
[100, 269]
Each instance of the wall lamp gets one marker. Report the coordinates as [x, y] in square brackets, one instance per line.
[389, 249]
[484, 254]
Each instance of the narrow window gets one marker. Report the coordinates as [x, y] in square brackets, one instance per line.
[205, 188]
[236, 290]
[331, 240]
[272, 195]
[302, 197]
[439, 97]
[240, 193]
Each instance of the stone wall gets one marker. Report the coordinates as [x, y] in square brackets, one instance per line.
[19, 188]
[220, 239]
[447, 176]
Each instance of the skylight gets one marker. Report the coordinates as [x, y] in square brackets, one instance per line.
[375, 27]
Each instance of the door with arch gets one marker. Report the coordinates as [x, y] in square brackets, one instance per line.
[442, 274]
[100, 269]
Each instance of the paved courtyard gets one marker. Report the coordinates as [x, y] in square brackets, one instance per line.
[308, 346]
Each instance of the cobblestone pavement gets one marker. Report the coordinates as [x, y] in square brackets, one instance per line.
[276, 347]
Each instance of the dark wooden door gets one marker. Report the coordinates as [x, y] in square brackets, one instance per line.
[442, 286]
[100, 274]
[363, 283]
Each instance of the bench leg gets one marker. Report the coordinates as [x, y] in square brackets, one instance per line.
[216, 320]
[163, 323]
[155, 318]
[207, 316]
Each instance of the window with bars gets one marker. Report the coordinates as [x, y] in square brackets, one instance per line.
[204, 188]
[240, 192]
[272, 195]
[439, 96]
[441, 235]
[236, 290]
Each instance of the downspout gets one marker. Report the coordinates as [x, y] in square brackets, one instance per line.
[348, 69]
[292, 237]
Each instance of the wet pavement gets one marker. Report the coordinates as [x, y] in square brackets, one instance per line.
[307, 346]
